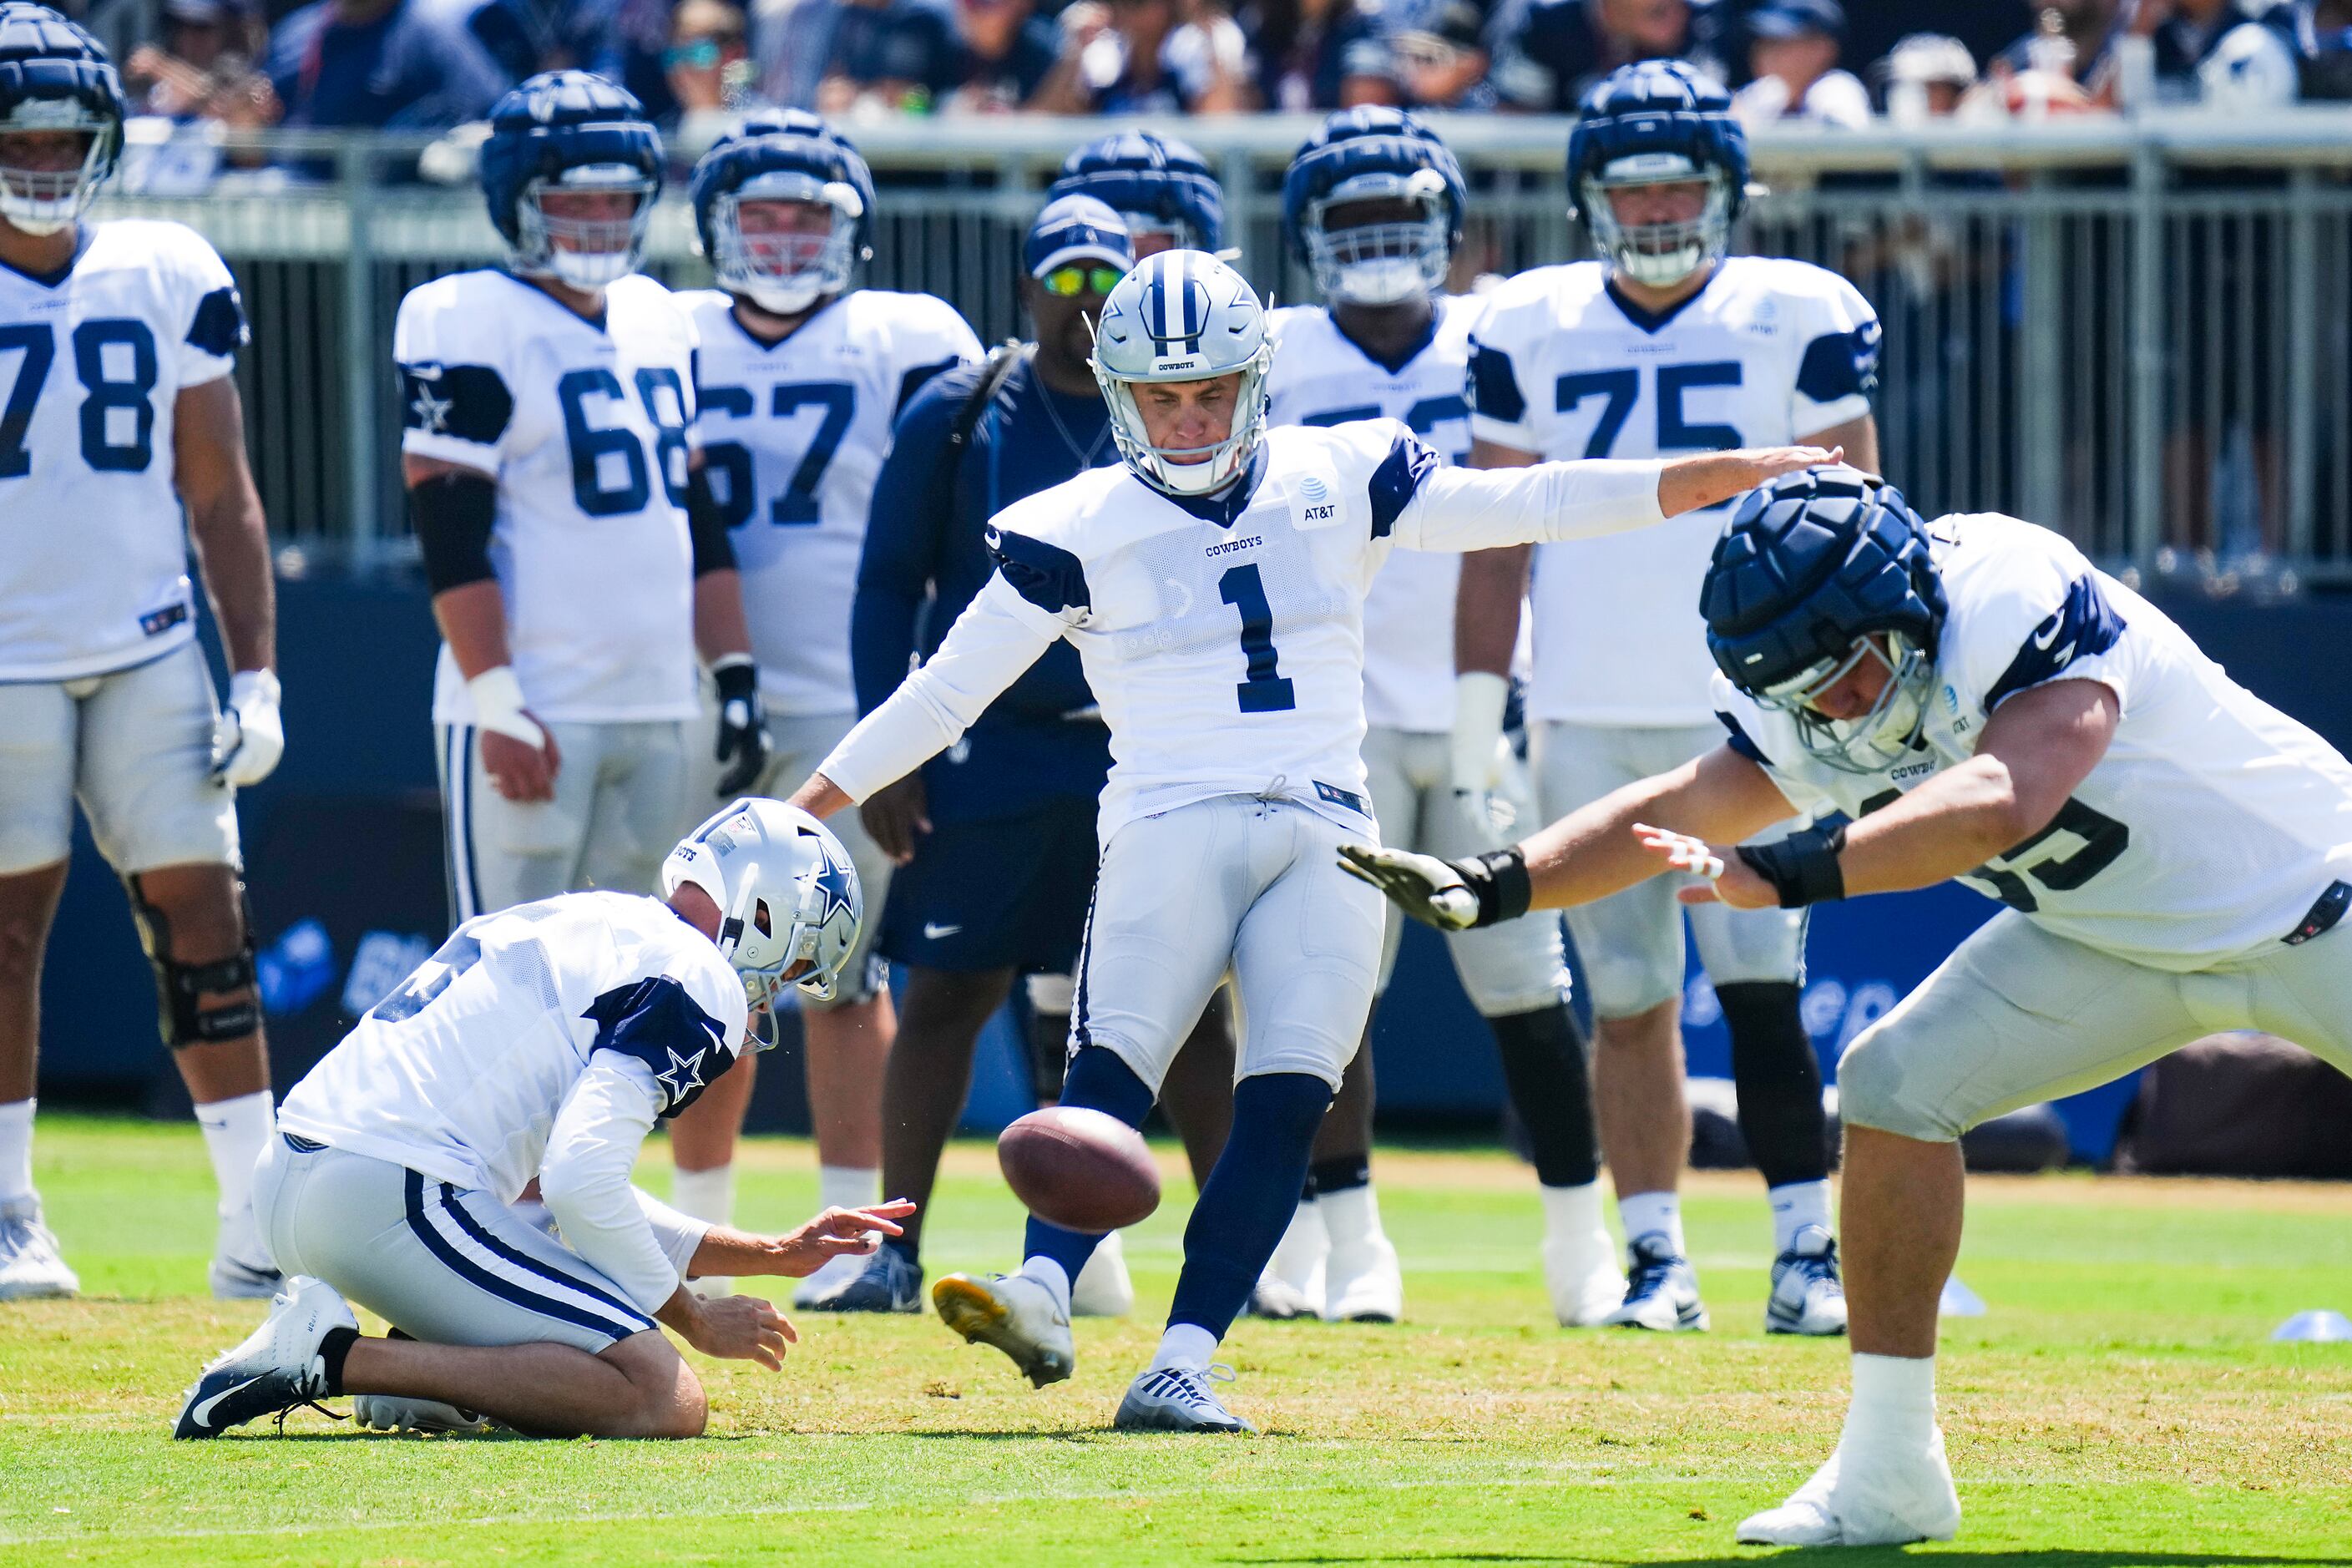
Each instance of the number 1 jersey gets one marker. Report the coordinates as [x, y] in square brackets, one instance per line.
[584, 424]
[94, 553]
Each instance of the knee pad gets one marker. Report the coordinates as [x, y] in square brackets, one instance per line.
[1871, 1093]
[178, 984]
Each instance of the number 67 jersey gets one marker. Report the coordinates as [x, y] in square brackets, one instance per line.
[93, 567]
[2214, 826]
[583, 426]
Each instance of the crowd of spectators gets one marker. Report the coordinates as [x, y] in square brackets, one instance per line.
[433, 64]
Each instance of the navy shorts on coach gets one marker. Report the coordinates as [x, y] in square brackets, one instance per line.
[1008, 894]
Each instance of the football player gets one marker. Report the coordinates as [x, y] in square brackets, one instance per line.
[117, 412]
[1980, 703]
[542, 1042]
[545, 414]
[1163, 191]
[1373, 206]
[799, 378]
[1666, 344]
[1213, 584]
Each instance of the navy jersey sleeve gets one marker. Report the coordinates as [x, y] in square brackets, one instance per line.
[909, 517]
[656, 1021]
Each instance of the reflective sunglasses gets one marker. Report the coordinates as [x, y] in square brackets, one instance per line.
[1073, 280]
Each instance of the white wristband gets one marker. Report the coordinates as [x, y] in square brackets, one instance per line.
[498, 707]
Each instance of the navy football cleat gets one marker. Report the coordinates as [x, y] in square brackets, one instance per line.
[1660, 1289]
[890, 1282]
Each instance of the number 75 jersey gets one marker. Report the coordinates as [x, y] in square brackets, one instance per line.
[93, 553]
[583, 426]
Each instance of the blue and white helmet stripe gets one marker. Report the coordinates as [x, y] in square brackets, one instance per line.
[1183, 315]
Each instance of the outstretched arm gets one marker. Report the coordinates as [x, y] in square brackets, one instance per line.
[1475, 509]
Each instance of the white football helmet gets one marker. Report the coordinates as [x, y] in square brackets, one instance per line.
[788, 894]
[1183, 315]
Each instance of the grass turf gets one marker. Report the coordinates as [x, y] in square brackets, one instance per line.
[2119, 1405]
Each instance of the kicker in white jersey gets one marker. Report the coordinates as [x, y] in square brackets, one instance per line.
[584, 425]
[91, 364]
[2207, 829]
[793, 435]
[1564, 365]
[1321, 377]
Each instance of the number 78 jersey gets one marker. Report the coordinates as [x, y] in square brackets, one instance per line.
[583, 426]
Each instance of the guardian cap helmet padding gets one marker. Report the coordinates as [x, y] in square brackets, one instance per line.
[1658, 123]
[55, 77]
[571, 130]
[786, 155]
[1156, 182]
[1375, 154]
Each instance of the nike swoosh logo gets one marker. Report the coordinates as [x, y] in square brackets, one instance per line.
[2043, 640]
[203, 1414]
[934, 932]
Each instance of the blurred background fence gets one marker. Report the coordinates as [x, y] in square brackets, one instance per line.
[2136, 330]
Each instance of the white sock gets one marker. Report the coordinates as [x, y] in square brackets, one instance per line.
[1571, 1214]
[17, 1150]
[1646, 1213]
[1795, 1205]
[1186, 1346]
[1051, 1275]
[707, 1195]
[236, 1132]
[1350, 1215]
[848, 1186]
[1894, 1401]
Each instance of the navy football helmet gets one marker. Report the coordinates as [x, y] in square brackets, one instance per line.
[1818, 570]
[1374, 154]
[784, 155]
[1658, 123]
[55, 77]
[1158, 184]
[571, 130]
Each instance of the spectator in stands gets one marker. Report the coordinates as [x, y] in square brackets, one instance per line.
[1149, 57]
[880, 54]
[1319, 54]
[1442, 51]
[2173, 53]
[1926, 76]
[994, 57]
[528, 36]
[629, 43]
[385, 64]
[203, 67]
[2066, 47]
[790, 41]
[1792, 52]
[1554, 49]
[2323, 37]
[709, 72]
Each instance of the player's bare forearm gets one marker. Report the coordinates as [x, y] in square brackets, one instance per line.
[2038, 747]
[1710, 479]
[473, 621]
[1590, 854]
[225, 521]
[720, 628]
[1487, 608]
[1858, 436]
[735, 1254]
[821, 798]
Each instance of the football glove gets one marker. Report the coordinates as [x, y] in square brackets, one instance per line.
[1451, 895]
[742, 723]
[248, 737]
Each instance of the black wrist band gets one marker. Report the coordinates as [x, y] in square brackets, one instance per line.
[1802, 867]
[737, 681]
[1500, 881]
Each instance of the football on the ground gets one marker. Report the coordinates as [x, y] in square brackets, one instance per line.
[1079, 1169]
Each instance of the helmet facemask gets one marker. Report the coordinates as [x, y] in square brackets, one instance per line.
[46, 201]
[786, 273]
[1386, 262]
[586, 253]
[1184, 470]
[1660, 254]
[1872, 741]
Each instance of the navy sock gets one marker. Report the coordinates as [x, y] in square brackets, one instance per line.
[1249, 1198]
[1097, 1080]
[1779, 1080]
[1338, 1176]
[1551, 1089]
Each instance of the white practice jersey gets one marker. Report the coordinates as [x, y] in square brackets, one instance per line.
[1225, 637]
[584, 425]
[1321, 377]
[463, 1070]
[1769, 352]
[94, 550]
[2210, 829]
[793, 436]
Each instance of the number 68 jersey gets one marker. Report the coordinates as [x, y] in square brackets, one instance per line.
[93, 554]
[583, 426]
[2211, 827]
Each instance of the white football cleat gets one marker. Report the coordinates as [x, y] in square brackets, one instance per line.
[1363, 1283]
[1582, 1273]
[275, 1369]
[31, 1268]
[391, 1413]
[1884, 1500]
[1661, 1289]
[1102, 1289]
[1015, 1314]
[1807, 1295]
[1292, 1285]
[816, 1292]
[1178, 1399]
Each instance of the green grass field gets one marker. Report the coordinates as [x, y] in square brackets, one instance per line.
[2120, 1404]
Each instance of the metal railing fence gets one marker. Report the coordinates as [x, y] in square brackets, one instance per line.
[2139, 332]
